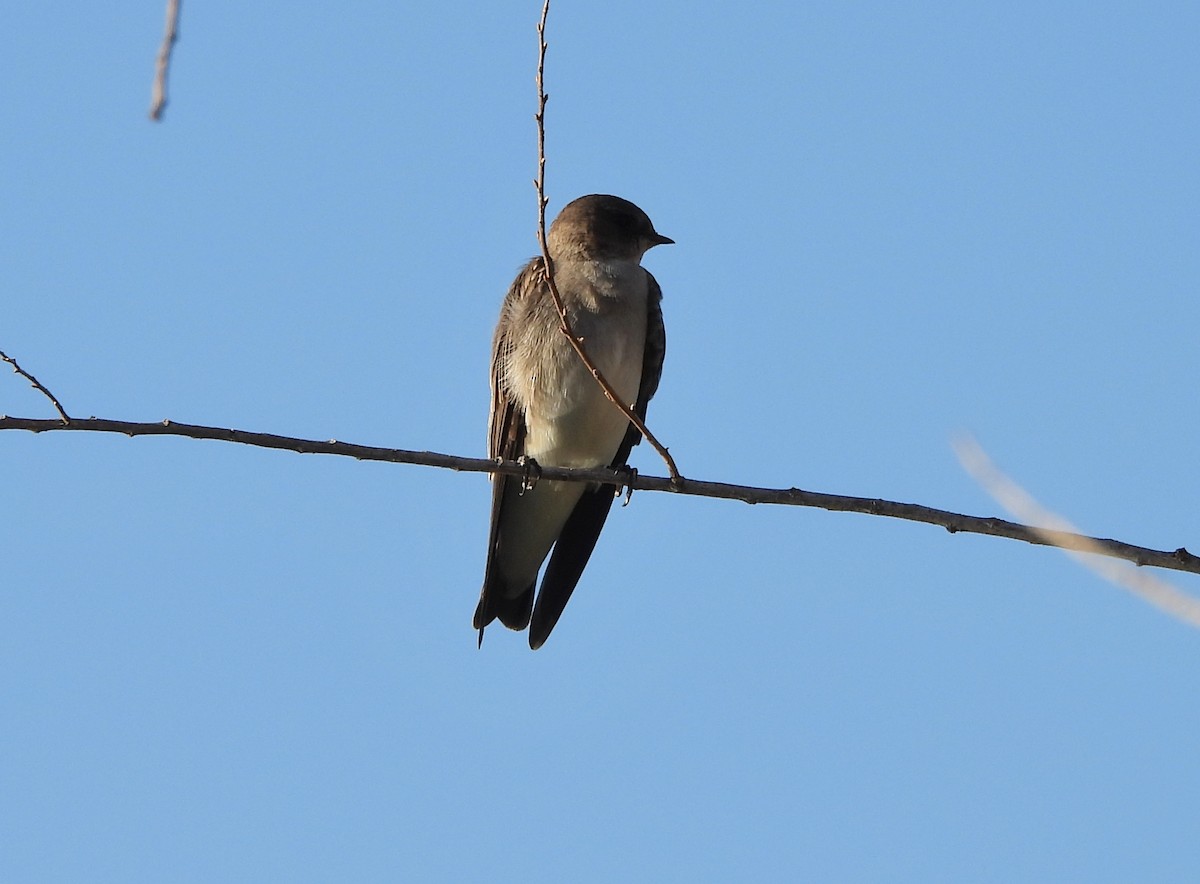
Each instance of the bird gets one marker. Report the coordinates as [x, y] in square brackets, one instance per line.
[548, 409]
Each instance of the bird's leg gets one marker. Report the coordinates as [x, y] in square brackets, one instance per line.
[532, 473]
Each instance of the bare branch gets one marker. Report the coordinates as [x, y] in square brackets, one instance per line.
[1022, 504]
[162, 64]
[37, 385]
[565, 322]
[1177, 560]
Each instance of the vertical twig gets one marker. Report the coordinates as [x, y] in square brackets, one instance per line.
[158, 92]
[565, 322]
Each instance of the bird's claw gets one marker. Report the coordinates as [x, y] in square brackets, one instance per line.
[629, 476]
[532, 474]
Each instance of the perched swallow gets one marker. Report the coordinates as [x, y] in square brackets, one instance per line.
[547, 406]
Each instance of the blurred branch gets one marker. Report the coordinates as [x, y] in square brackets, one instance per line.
[1022, 504]
[158, 92]
[37, 385]
[548, 264]
[1177, 560]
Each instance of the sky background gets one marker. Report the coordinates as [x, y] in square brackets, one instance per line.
[895, 222]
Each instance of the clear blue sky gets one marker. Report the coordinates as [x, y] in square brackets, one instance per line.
[894, 222]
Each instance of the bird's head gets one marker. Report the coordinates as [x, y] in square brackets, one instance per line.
[602, 227]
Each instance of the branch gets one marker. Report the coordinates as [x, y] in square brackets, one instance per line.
[37, 385]
[565, 322]
[1022, 504]
[158, 92]
[1177, 560]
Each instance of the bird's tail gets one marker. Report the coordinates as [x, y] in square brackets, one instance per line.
[513, 611]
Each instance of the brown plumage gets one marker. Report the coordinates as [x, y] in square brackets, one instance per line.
[546, 406]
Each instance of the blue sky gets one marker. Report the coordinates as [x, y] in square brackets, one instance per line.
[894, 222]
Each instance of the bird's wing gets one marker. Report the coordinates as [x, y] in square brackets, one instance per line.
[652, 366]
[506, 440]
[582, 529]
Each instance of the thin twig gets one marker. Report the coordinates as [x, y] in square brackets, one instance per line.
[565, 322]
[37, 385]
[162, 64]
[1177, 560]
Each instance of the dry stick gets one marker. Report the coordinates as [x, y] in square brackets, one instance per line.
[1177, 560]
[548, 270]
[158, 93]
[37, 385]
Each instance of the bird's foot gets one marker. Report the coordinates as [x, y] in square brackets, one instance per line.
[532, 474]
[628, 476]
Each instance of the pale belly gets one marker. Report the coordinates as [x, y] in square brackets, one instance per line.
[568, 420]
[576, 425]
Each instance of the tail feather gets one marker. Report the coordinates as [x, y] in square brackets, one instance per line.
[513, 611]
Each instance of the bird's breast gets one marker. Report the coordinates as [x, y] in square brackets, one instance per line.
[569, 421]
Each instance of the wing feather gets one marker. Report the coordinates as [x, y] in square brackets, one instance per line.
[506, 440]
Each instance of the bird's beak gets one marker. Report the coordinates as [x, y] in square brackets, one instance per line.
[659, 240]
